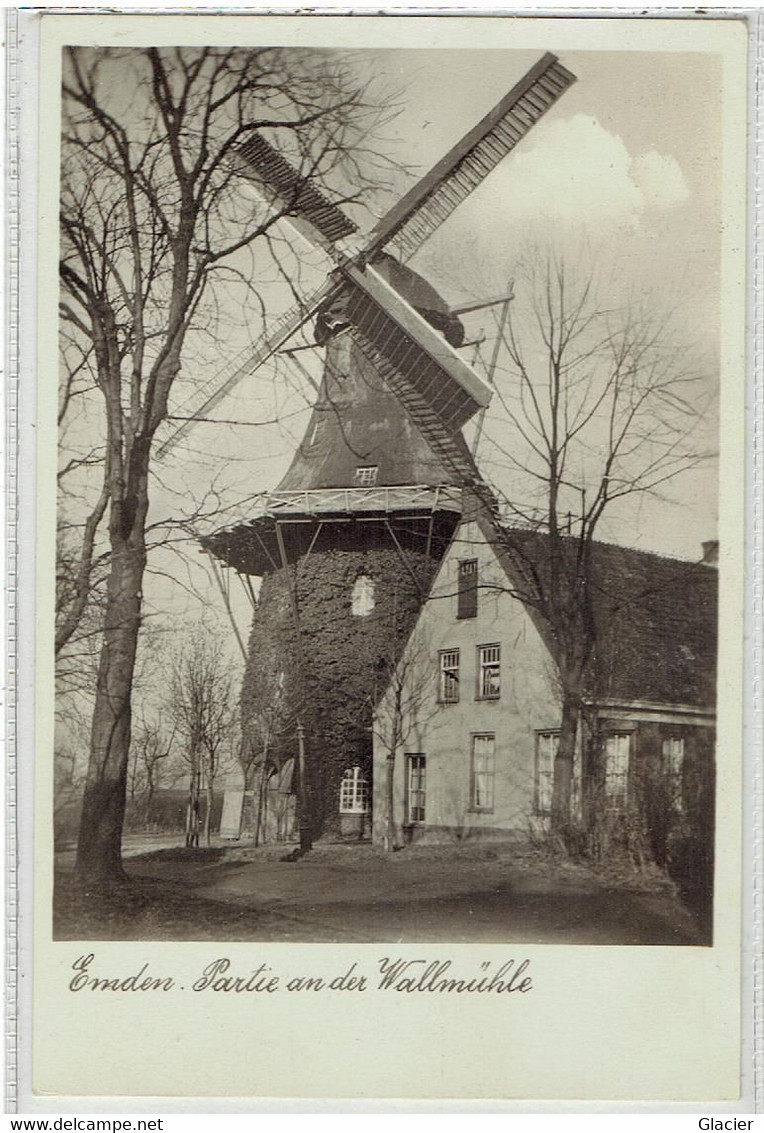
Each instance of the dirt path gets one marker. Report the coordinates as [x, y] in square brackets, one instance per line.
[341, 893]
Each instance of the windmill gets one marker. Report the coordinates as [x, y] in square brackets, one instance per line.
[350, 540]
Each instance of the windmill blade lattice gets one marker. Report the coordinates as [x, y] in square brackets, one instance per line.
[409, 346]
[242, 365]
[432, 200]
[294, 193]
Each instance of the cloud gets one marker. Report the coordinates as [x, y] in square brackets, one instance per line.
[660, 179]
[575, 186]
[575, 171]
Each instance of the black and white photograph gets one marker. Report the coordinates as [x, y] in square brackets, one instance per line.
[387, 555]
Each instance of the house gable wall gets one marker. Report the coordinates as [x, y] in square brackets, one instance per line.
[443, 732]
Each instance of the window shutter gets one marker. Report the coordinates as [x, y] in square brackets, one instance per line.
[466, 606]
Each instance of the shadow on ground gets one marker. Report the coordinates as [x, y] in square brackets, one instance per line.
[339, 893]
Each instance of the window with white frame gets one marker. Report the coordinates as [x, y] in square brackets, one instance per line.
[483, 768]
[617, 755]
[467, 588]
[366, 475]
[416, 784]
[449, 676]
[489, 672]
[672, 751]
[354, 792]
[547, 744]
[362, 600]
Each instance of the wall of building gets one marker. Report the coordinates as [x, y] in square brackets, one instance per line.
[662, 819]
[443, 732]
[667, 819]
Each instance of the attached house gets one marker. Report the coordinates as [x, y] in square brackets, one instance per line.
[475, 714]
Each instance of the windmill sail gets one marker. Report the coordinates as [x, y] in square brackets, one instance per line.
[419, 213]
[324, 221]
[243, 364]
[432, 200]
[399, 334]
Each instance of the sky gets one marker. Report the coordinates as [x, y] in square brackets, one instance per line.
[631, 151]
[629, 156]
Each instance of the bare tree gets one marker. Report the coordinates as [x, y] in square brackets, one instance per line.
[202, 705]
[261, 715]
[81, 564]
[601, 403]
[153, 224]
[68, 779]
[150, 764]
[406, 705]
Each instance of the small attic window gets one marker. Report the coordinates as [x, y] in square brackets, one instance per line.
[363, 596]
[366, 475]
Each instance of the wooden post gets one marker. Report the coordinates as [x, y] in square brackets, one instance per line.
[504, 314]
[261, 787]
[227, 603]
[303, 818]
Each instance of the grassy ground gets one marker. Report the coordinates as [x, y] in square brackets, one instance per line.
[455, 894]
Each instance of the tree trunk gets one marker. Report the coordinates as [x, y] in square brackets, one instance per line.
[389, 804]
[208, 815]
[562, 791]
[192, 814]
[99, 859]
[150, 788]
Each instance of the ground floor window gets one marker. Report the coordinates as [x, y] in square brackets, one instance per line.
[547, 744]
[354, 792]
[416, 772]
[483, 748]
[617, 754]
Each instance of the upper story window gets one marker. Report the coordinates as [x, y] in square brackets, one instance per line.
[617, 756]
[489, 672]
[448, 689]
[483, 747]
[547, 744]
[366, 475]
[362, 602]
[354, 792]
[466, 603]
